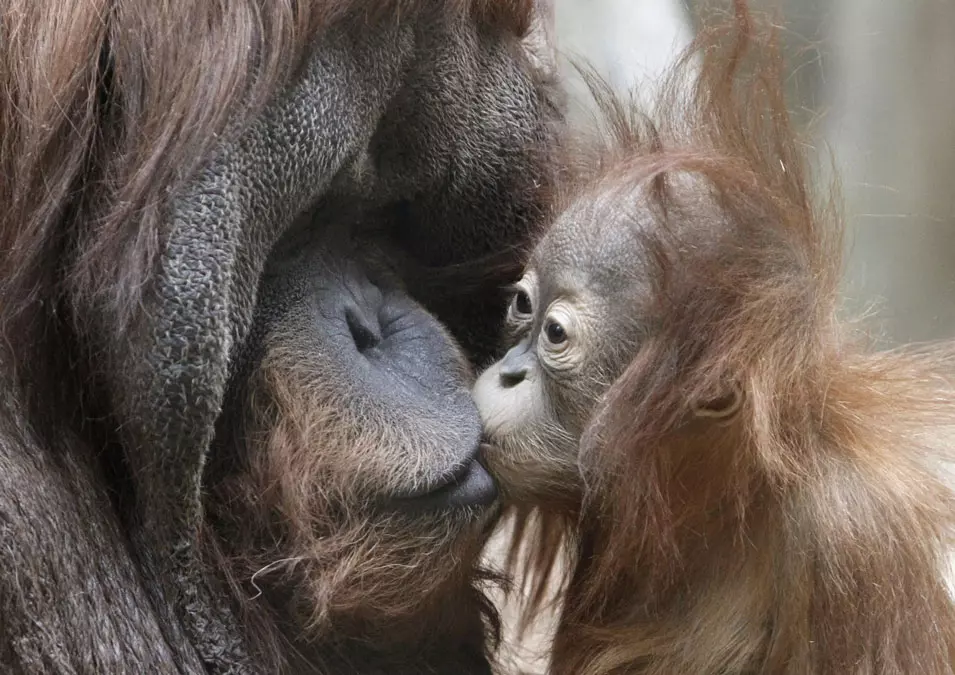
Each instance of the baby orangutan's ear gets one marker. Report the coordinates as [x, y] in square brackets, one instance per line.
[722, 407]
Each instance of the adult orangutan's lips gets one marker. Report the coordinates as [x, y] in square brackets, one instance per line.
[469, 485]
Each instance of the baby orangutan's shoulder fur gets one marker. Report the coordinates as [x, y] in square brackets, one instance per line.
[761, 492]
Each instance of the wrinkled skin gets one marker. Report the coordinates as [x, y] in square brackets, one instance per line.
[574, 321]
[123, 529]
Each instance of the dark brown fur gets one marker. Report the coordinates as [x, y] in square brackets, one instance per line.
[69, 154]
[110, 114]
[295, 537]
[807, 532]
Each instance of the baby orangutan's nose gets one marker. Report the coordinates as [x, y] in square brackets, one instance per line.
[516, 364]
[512, 377]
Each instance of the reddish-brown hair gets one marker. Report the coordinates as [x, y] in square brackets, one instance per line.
[806, 530]
[107, 108]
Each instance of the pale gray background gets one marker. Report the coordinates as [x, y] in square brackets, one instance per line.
[874, 82]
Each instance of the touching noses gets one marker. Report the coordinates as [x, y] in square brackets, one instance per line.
[515, 365]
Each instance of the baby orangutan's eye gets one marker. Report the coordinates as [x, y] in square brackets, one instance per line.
[521, 309]
[558, 334]
[555, 333]
[522, 303]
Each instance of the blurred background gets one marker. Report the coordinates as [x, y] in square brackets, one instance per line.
[873, 84]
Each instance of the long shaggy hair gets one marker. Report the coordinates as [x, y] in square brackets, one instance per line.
[110, 106]
[299, 529]
[763, 493]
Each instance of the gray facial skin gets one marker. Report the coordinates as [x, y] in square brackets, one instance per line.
[120, 341]
[575, 320]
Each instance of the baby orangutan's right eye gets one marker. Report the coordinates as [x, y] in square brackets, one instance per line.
[522, 304]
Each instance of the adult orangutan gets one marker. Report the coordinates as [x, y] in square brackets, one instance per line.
[231, 440]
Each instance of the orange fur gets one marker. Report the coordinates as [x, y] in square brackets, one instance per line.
[805, 532]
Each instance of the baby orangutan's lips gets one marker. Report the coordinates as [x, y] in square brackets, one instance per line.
[487, 447]
[489, 452]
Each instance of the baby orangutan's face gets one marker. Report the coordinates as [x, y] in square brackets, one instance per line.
[572, 327]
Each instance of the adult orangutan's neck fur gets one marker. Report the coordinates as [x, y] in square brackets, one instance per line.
[300, 538]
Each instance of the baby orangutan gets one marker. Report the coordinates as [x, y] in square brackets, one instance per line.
[753, 490]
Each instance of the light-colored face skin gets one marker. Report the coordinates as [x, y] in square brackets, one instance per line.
[575, 321]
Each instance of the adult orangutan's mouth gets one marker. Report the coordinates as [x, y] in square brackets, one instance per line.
[469, 485]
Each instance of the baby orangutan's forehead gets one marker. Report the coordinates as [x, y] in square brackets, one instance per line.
[591, 247]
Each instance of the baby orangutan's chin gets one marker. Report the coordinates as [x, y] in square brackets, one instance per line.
[526, 449]
[535, 471]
